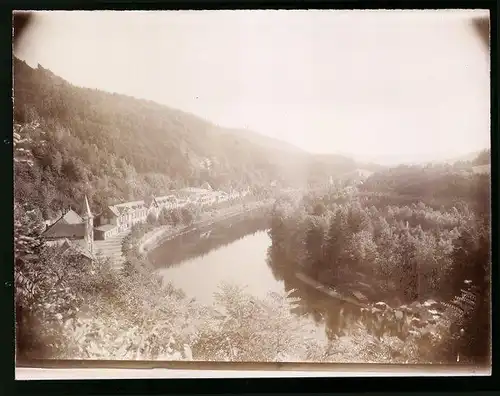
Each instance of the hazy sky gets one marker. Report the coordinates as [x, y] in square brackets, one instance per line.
[402, 85]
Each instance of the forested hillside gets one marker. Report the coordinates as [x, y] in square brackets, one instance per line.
[406, 235]
[113, 147]
[437, 185]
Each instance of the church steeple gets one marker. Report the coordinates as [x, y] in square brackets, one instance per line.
[87, 211]
[88, 218]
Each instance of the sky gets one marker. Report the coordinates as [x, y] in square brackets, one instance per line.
[387, 86]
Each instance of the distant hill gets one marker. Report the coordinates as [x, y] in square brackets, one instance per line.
[396, 159]
[266, 141]
[360, 173]
[436, 185]
[115, 147]
[480, 157]
[480, 169]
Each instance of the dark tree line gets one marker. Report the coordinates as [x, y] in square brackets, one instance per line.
[392, 249]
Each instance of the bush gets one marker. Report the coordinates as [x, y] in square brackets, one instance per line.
[152, 219]
[175, 217]
[165, 217]
[187, 215]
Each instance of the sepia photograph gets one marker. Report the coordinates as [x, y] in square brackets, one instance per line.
[252, 186]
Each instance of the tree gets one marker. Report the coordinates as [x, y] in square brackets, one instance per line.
[314, 245]
[152, 219]
[164, 217]
[74, 170]
[365, 252]
[334, 242]
[175, 217]
[246, 328]
[59, 278]
[463, 255]
[483, 158]
[57, 162]
[277, 231]
[24, 140]
[28, 247]
[408, 272]
[319, 209]
[187, 215]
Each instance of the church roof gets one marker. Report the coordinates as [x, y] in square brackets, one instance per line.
[61, 229]
[206, 186]
[70, 217]
[69, 225]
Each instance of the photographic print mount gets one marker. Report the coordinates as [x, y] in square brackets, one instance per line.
[148, 233]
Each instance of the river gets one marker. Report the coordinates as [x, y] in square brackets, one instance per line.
[242, 263]
[236, 252]
[232, 251]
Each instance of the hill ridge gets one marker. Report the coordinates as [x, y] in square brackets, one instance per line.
[112, 146]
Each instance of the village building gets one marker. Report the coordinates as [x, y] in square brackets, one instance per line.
[74, 233]
[73, 229]
[123, 216]
[167, 201]
[108, 221]
[199, 196]
[234, 194]
[207, 186]
[131, 213]
[221, 196]
[191, 193]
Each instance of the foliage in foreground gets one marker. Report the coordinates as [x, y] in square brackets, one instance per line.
[96, 313]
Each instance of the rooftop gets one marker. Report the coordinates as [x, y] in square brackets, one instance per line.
[195, 190]
[63, 229]
[71, 247]
[70, 217]
[166, 197]
[113, 210]
[129, 204]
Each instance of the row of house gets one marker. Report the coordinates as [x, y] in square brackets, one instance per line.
[121, 217]
[77, 233]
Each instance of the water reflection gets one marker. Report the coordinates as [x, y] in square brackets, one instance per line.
[340, 316]
[199, 242]
[238, 251]
[336, 315]
[231, 252]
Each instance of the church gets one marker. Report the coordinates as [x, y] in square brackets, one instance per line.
[74, 233]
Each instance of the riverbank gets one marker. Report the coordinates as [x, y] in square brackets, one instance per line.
[156, 237]
[415, 321]
[328, 291]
